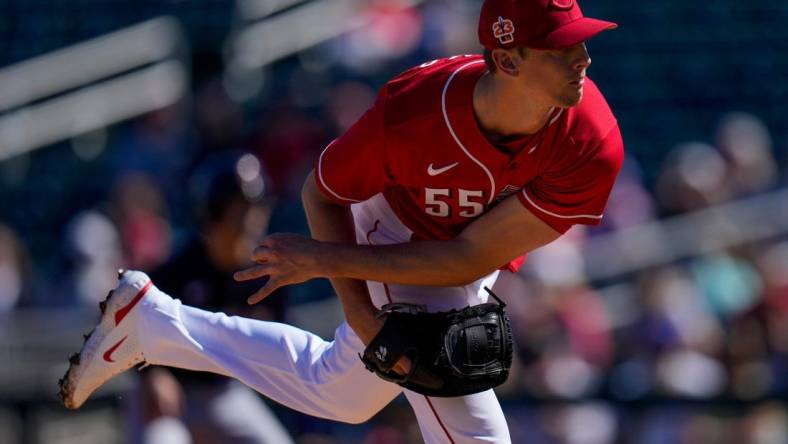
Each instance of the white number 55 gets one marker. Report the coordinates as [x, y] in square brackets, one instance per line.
[437, 202]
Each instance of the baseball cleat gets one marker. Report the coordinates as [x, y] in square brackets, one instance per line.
[113, 346]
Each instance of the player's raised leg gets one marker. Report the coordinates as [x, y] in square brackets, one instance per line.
[289, 365]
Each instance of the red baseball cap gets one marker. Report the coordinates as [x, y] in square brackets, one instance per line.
[540, 24]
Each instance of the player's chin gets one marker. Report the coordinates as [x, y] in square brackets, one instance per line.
[571, 97]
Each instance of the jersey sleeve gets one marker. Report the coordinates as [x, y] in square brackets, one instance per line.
[352, 167]
[577, 192]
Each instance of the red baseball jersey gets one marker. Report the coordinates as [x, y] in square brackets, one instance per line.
[420, 146]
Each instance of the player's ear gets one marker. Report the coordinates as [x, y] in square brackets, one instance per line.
[506, 62]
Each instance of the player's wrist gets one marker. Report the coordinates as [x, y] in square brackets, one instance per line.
[364, 322]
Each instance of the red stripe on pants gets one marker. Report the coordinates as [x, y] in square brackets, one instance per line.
[434, 412]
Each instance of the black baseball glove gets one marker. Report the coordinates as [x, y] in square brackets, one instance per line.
[453, 353]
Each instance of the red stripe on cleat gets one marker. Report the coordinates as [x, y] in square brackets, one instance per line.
[120, 314]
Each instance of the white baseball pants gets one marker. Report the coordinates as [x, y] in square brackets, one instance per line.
[324, 379]
[304, 372]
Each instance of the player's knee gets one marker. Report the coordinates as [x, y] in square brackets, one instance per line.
[359, 417]
[356, 414]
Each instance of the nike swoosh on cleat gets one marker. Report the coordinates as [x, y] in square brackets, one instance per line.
[120, 314]
[111, 350]
[432, 171]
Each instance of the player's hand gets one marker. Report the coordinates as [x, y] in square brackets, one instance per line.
[366, 328]
[284, 259]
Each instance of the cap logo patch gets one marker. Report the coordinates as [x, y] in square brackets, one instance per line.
[503, 30]
[562, 5]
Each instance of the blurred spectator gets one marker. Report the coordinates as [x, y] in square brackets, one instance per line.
[728, 285]
[560, 263]
[232, 196]
[94, 254]
[686, 338]
[561, 327]
[759, 336]
[571, 364]
[16, 275]
[766, 424]
[687, 373]
[586, 423]
[140, 211]
[747, 145]
[773, 264]
[693, 176]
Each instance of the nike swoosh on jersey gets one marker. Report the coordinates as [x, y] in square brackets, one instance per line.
[435, 171]
[120, 314]
[111, 350]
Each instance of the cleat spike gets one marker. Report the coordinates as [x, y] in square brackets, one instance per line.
[74, 359]
[86, 336]
[103, 306]
[120, 273]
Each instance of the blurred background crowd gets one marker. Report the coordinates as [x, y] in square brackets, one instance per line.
[145, 134]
